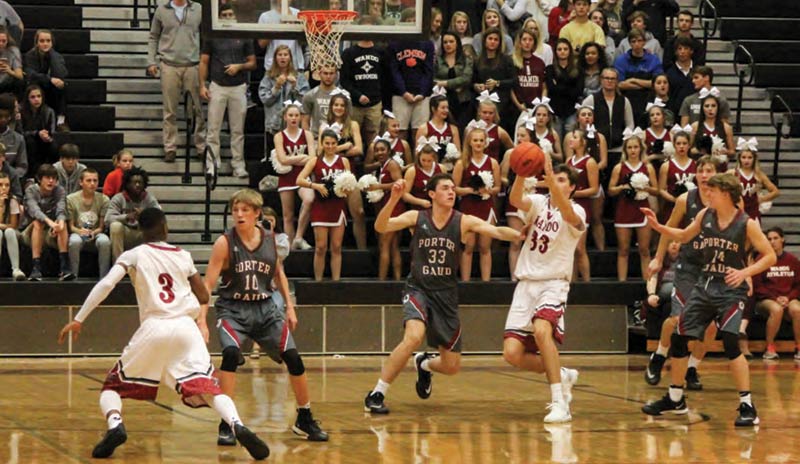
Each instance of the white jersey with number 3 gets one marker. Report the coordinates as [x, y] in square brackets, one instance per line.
[549, 249]
[160, 273]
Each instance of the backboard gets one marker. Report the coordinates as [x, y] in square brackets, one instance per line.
[378, 19]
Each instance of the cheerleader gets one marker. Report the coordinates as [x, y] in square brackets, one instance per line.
[627, 214]
[401, 150]
[676, 175]
[389, 242]
[327, 213]
[293, 146]
[585, 189]
[542, 129]
[498, 140]
[752, 178]
[440, 126]
[477, 198]
[417, 176]
[711, 125]
[657, 134]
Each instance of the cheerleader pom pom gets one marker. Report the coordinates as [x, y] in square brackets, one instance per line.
[639, 182]
[399, 160]
[277, 166]
[546, 146]
[375, 196]
[366, 181]
[668, 150]
[764, 207]
[451, 152]
[344, 183]
[488, 182]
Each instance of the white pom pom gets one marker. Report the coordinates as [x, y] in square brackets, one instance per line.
[546, 146]
[276, 165]
[366, 181]
[344, 183]
[669, 149]
[689, 185]
[399, 160]
[488, 182]
[451, 152]
[375, 196]
[530, 184]
[717, 145]
[764, 206]
[640, 181]
[447, 166]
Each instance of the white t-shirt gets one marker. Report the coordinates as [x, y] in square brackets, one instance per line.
[549, 249]
[160, 273]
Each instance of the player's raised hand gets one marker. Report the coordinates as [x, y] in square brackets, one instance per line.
[74, 327]
[398, 188]
[650, 215]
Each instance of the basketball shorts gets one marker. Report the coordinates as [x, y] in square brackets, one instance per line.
[172, 349]
[537, 299]
[685, 279]
[264, 322]
[438, 309]
[713, 300]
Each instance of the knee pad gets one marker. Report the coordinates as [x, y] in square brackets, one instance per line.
[231, 357]
[679, 346]
[294, 363]
[731, 344]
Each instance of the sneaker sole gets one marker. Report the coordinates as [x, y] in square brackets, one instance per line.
[748, 424]
[568, 419]
[226, 441]
[298, 431]
[375, 411]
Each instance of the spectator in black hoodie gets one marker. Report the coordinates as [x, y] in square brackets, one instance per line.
[38, 127]
[45, 67]
[363, 69]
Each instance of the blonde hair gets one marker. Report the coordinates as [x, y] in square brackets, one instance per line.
[500, 26]
[118, 155]
[642, 149]
[274, 71]
[539, 36]
[493, 105]
[756, 163]
[452, 28]
[247, 196]
[616, 8]
[517, 56]
[466, 150]
[347, 123]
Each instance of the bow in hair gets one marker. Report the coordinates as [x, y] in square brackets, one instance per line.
[580, 106]
[477, 124]
[389, 114]
[747, 145]
[340, 91]
[385, 137]
[677, 128]
[335, 127]
[543, 102]
[439, 91]
[713, 91]
[657, 102]
[431, 141]
[485, 96]
[628, 133]
[292, 103]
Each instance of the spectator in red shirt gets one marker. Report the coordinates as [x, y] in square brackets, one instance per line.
[558, 18]
[777, 291]
[122, 161]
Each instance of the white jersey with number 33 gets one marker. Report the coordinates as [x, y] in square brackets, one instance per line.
[160, 273]
[549, 248]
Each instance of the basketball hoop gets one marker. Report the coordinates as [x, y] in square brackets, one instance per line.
[324, 29]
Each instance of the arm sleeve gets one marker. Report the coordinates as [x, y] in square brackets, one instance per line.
[21, 163]
[619, 65]
[30, 66]
[463, 78]
[515, 12]
[394, 70]
[116, 209]
[509, 76]
[61, 203]
[101, 291]
[58, 66]
[760, 290]
[265, 91]
[629, 123]
[152, 42]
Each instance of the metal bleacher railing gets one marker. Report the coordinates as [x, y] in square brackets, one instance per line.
[743, 66]
[710, 20]
[783, 120]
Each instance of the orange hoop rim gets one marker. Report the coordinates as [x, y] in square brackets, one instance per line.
[318, 18]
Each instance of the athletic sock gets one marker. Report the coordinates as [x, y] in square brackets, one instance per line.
[425, 366]
[744, 397]
[111, 401]
[694, 362]
[226, 409]
[662, 350]
[381, 387]
[304, 406]
[675, 393]
[556, 393]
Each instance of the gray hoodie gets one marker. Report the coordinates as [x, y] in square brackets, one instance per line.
[121, 204]
[53, 206]
[70, 181]
[177, 42]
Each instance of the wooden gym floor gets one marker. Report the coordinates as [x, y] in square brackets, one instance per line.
[489, 413]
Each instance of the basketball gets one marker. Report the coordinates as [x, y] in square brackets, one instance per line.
[527, 159]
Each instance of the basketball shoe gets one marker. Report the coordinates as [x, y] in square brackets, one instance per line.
[569, 377]
[423, 377]
[254, 445]
[306, 426]
[373, 403]
[693, 380]
[748, 416]
[666, 406]
[225, 436]
[559, 412]
[111, 440]
[652, 375]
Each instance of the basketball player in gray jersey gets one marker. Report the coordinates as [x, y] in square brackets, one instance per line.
[727, 235]
[247, 259]
[690, 259]
[430, 299]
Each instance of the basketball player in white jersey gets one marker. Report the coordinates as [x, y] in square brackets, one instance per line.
[168, 343]
[536, 319]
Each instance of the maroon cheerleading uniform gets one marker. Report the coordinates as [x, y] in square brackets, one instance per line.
[583, 183]
[421, 179]
[296, 147]
[650, 138]
[677, 175]
[330, 211]
[627, 213]
[473, 204]
[749, 194]
[384, 177]
[443, 136]
[397, 149]
[493, 145]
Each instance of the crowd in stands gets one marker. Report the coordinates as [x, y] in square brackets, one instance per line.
[598, 85]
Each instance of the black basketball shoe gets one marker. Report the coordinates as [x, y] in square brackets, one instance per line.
[225, 436]
[692, 380]
[110, 441]
[423, 377]
[373, 403]
[652, 375]
[306, 426]
[666, 406]
[748, 416]
[254, 445]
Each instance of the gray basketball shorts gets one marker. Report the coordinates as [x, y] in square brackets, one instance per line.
[683, 286]
[713, 300]
[263, 322]
[438, 309]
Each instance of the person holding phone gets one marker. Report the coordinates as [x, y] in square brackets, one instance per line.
[11, 76]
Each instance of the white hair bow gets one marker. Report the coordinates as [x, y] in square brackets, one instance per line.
[335, 127]
[628, 133]
[340, 91]
[431, 141]
[713, 91]
[292, 103]
[385, 137]
[677, 128]
[543, 102]
[477, 124]
[526, 116]
[389, 114]
[657, 102]
[749, 145]
[580, 106]
[590, 131]
[485, 96]
[439, 91]
[530, 124]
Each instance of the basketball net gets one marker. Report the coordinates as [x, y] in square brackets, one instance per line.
[324, 29]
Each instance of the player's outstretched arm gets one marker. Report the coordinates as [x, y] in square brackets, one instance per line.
[385, 222]
[96, 296]
[479, 226]
[517, 196]
[663, 242]
[767, 256]
[681, 235]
